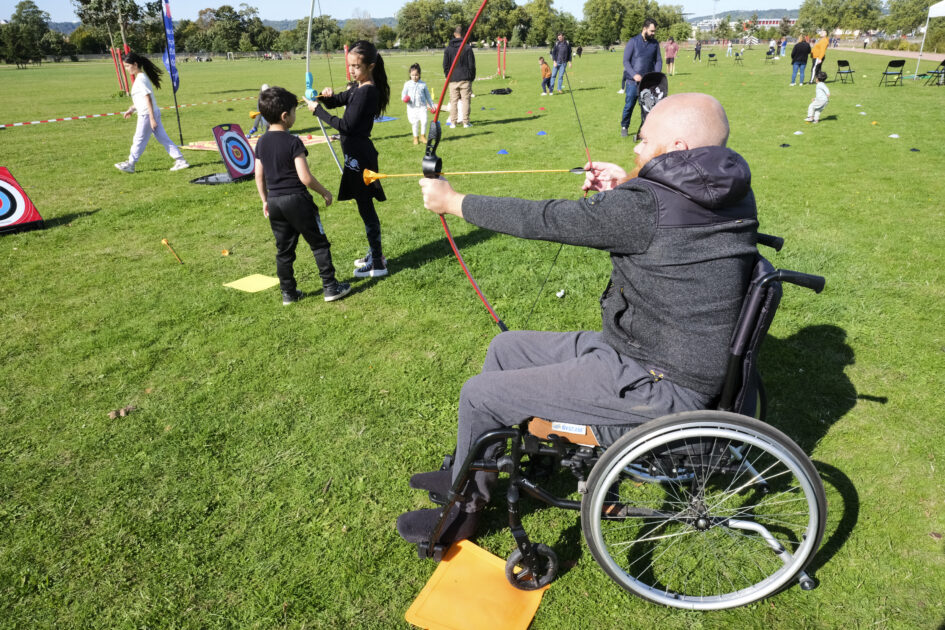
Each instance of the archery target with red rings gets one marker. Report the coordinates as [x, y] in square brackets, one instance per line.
[235, 149]
[16, 209]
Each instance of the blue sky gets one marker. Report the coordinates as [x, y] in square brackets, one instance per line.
[62, 11]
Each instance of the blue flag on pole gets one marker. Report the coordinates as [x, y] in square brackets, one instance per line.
[170, 58]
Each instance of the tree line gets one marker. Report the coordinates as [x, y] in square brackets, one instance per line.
[893, 18]
[420, 24]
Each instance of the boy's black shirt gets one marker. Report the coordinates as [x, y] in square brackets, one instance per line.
[277, 151]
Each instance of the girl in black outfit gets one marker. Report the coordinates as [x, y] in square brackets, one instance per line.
[363, 103]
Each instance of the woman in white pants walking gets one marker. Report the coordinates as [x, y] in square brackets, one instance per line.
[147, 77]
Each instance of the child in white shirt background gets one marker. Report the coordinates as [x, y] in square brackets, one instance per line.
[416, 95]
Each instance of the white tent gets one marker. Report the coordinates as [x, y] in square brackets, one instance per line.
[936, 10]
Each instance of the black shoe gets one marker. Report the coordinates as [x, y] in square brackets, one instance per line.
[372, 269]
[291, 297]
[417, 526]
[336, 291]
[437, 483]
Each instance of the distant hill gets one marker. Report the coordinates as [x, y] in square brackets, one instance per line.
[65, 28]
[769, 14]
[288, 25]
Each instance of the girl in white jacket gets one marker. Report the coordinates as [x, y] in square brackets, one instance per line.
[416, 95]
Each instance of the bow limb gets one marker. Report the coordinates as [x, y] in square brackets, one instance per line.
[310, 82]
[433, 166]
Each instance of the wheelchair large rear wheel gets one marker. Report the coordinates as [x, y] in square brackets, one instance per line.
[704, 510]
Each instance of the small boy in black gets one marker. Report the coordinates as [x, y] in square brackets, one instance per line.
[282, 176]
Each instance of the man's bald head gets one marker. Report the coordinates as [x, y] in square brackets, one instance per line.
[681, 122]
[698, 120]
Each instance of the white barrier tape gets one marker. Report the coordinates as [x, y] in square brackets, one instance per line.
[51, 120]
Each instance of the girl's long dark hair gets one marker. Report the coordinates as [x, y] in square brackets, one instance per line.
[369, 55]
[147, 66]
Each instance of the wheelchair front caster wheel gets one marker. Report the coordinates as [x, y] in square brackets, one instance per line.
[530, 579]
[807, 584]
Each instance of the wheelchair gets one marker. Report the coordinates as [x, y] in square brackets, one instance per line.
[700, 510]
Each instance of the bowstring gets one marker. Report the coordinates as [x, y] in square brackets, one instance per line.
[587, 154]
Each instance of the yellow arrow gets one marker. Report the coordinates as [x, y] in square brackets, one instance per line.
[370, 176]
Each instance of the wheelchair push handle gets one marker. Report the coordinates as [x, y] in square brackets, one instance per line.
[806, 280]
[774, 242]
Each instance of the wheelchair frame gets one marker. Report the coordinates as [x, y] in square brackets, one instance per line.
[677, 459]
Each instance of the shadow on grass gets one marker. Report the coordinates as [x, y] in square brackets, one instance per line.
[494, 121]
[809, 391]
[440, 248]
[805, 379]
[838, 529]
[66, 219]
[242, 91]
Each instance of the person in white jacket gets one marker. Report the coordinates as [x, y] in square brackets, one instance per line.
[416, 95]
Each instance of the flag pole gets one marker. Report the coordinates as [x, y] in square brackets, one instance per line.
[171, 65]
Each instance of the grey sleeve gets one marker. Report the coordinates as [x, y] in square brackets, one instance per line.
[620, 221]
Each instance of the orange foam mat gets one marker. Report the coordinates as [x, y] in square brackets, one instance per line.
[468, 591]
[211, 145]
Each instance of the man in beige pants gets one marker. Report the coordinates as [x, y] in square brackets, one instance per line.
[461, 80]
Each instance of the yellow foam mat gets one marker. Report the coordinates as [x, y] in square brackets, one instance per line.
[468, 591]
[254, 283]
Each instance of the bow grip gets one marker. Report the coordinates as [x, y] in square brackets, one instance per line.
[309, 82]
[432, 164]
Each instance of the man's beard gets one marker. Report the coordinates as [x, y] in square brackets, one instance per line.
[639, 163]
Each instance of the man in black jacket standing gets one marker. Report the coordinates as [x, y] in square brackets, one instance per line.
[680, 230]
[641, 56]
[461, 80]
[561, 57]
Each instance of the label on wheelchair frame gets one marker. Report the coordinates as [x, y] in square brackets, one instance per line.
[564, 427]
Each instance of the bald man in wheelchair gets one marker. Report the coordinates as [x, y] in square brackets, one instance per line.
[680, 228]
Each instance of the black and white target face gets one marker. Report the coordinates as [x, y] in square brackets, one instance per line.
[237, 152]
[12, 204]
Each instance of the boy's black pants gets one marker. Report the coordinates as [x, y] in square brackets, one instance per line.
[289, 216]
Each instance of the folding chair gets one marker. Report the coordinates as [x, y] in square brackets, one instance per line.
[769, 56]
[738, 59]
[712, 59]
[893, 69]
[937, 75]
[843, 70]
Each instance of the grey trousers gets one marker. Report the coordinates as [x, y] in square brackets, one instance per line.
[570, 377]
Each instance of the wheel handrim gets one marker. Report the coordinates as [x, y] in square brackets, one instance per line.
[720, 525]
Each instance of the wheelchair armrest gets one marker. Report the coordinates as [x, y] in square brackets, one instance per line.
[806, 280]
[774, 242]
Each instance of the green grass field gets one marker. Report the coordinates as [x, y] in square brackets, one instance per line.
[257, 482]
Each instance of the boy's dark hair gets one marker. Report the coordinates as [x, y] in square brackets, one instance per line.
[415, 66]
[274, 101]
[458, 31]
[649, 21]
[542, 59]
[821, 76]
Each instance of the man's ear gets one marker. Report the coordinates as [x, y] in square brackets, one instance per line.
[680, 145]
